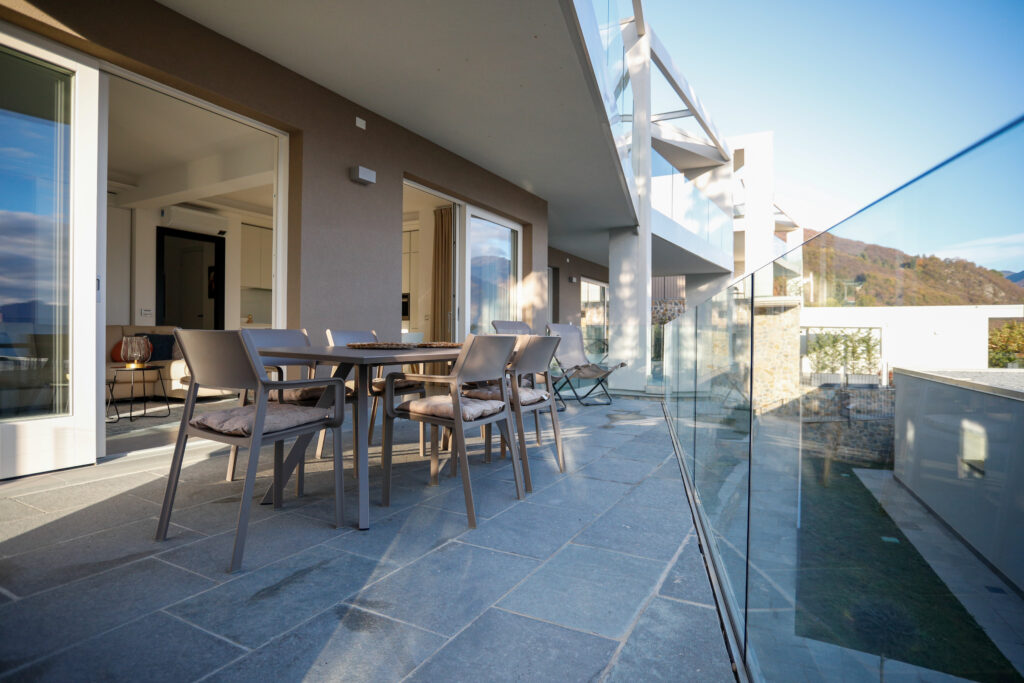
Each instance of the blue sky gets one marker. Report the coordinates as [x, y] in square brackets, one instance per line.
[861, 96]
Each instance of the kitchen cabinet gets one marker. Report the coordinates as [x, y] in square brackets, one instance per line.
[257, 257]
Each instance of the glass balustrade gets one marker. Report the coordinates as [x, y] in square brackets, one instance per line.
[850, 419]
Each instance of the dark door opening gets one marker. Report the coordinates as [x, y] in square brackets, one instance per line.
[189, 279]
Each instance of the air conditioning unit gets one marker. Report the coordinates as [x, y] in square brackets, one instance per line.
[192, 219]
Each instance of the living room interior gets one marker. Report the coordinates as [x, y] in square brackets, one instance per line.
[190, 243]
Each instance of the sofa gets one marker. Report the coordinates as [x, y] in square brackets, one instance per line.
[174, 371]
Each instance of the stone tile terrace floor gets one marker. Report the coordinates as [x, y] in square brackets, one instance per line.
[596, 575]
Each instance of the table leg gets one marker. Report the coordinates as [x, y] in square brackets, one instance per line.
[361, 442]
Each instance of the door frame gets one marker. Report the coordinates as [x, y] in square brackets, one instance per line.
[458, 210]
[279, 272]
[468, 212]
[43, 444]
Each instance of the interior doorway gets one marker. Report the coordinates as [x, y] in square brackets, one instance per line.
[429, 230]
[190, 279]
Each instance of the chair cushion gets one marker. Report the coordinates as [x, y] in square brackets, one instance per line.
[492, 393]
[377, 386]
[300, 395]
[238, 421]
[441, 406]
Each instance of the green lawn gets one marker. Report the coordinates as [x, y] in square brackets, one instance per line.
[862, 585]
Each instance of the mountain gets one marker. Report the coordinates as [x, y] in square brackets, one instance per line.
[1016, 277]
[861, 274]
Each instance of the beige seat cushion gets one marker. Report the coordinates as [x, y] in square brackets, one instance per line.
[300, 395]
[441, 406]
[492, 393]
[377, 386]
[239, 421]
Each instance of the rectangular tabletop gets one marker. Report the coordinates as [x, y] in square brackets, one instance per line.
[343, 354]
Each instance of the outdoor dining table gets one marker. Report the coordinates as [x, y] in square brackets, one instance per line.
[363, 360]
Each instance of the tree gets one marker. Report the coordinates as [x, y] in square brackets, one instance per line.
[1005, 345]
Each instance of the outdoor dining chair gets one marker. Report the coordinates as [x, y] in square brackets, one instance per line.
[573, 363]
[229, 359]
[264, 338]
[482, 359]
[344, 338]
[532, 358]
[510, 327]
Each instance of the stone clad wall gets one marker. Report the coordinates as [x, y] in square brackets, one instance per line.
[776, 359]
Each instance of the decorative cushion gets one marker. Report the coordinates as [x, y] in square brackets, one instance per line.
[441, 406]
[377, 385]
[239, 421]
[162, 346]
[526, 394]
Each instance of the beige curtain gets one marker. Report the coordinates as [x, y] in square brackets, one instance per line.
[441, 305]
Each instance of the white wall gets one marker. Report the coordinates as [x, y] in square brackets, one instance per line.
[144, 268]
[921, 337]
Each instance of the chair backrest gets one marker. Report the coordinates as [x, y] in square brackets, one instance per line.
[484, 357]
[220, 358]
[510, 327]
[345, 337]
[533, 354]
[264, 338]
[570, 353]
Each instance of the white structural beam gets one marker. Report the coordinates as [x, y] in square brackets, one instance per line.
[230, 171]
[671, 115]
[661, 57]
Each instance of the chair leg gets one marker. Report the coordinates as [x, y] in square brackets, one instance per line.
[339, 479]
[355, 430]
[423, 433]
[385, 459]
[597, 400]
[435, 461]
[504, 445]
[467, 487]
[536, 424]
[321, 440]
[243, 508]
[486, 429]
[505, 427]
[278, 474]
[172, 486]
[300, 477]
[446, 442]
[243, 399]
[558, 437]
[373, 419]
[521, 430]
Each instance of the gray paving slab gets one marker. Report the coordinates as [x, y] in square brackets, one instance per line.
[58, 564]
[30, 533]
[623, 470]
[490, 496]
[587, 589]
[283, 534]
[63, 616]
[635, 530]
[500, 646]
[12, 509]
[264, 603]
[406, 536]
[218, 516]
[674, 641]
[581, 493]
[90, 493]
[664, 494]
[532, 530]
[669, 469]
[161, 648]
[688, 579]
[446, 589]
[342, 643]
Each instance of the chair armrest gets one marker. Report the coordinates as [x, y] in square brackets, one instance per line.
[336, 383]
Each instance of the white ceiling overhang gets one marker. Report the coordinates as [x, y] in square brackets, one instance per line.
[503, 84]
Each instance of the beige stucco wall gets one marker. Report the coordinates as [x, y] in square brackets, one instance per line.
[345, 252]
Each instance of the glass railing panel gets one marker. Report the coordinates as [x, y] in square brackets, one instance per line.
[886, 519]
[722, 431]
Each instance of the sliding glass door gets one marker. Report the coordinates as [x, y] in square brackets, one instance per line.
[49, 153]
[493, 270]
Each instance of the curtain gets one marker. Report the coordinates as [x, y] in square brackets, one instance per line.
[441, 289]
